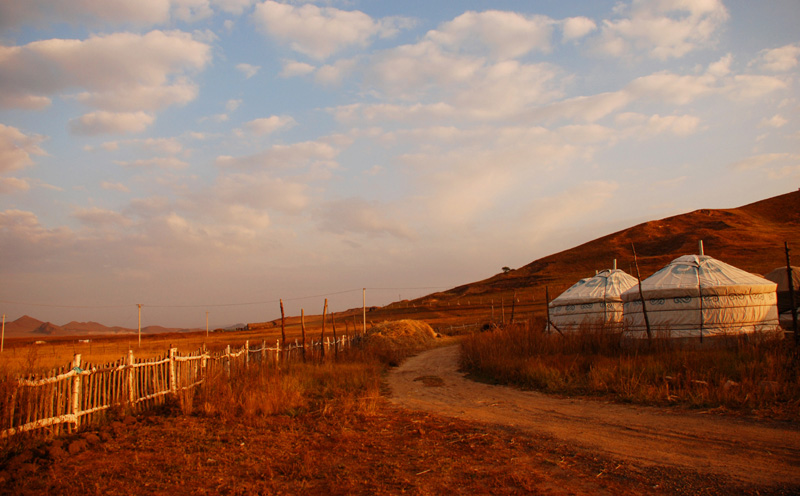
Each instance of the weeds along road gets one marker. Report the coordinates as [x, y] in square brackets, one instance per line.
[746, 450]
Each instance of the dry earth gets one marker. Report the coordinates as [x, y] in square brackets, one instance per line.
[745, 450]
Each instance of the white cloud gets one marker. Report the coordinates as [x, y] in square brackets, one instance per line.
[356, 215]
[13, 185]
[283, 156]
[96, 217]
[574, 28]
[232, 105]
[501, 34]
[119, 71]
[775, 121]
[263, 191]
[102, 122]
[780, 59]
[333, 74]
[292, 68]
[268, 125]
[319, 32]
[776, 165]
[17, 148]
[662, 29]
[248, 70]
[114, 186]
[235, 7]
[159, 162]
[36, 12]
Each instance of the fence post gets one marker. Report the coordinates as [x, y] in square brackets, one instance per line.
[173, 379]
[247, 353]
[228, 360]
[263, 352]
[131, 378]
[76, 389]
[277, 352]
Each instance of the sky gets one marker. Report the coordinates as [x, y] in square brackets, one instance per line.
[215, 156]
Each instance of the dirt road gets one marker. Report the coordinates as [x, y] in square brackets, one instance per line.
[746, 450]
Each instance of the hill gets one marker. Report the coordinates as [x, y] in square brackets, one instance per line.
[27, 326]
[750, 237]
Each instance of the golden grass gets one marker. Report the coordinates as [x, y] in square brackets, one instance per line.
[758, 375]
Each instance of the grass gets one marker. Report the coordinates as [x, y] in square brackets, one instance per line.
[759, 375]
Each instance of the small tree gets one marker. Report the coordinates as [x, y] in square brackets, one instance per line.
[506, 270]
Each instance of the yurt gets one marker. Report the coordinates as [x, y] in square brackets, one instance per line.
[594, 300]
[697, 296]
[780, 277]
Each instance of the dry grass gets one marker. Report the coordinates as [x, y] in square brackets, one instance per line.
[759, 375]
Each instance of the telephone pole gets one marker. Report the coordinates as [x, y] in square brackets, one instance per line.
[140, 324]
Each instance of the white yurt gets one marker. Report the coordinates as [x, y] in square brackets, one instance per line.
[594, 300]
[697, 296]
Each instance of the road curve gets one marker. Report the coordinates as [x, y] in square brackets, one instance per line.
[746, 450]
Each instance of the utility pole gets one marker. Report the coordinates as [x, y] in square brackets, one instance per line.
[364, 310]
[206, 324]
[3, 338]
[140, 324]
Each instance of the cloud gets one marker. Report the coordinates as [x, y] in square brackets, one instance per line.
[114, 186]
[662, 29]
[319, 32]
[356, 215]
[17, 148]
[248, 70]
[96, 217]
[502, 35]
[158, 162]
[102, 122]
[283, 156]
[574, 28]
[780, 59]
[268, 125]
[118, 72]
[776, 165]
[39, 12]
[262, 191]
[232, 105]
[775, 121]
[292, 68]
[13, 185]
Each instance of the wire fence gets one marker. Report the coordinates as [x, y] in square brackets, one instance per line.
[76, 395]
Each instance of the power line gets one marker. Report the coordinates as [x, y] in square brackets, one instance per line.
[216, 305]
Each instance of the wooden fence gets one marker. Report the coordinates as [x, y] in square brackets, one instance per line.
[78, 394]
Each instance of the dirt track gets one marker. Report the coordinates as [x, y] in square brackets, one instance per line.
[746, 450]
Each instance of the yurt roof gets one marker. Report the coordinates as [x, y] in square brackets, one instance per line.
[690, 274]
[779, 276]
[606, 285]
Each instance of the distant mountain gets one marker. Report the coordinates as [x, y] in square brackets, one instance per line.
[750, 237]
[26, 326]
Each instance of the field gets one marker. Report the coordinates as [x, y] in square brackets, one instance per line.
[327, 429]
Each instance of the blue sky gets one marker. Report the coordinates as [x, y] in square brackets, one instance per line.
[216, 155]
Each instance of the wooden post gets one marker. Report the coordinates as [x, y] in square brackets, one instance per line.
[335, 344]
[76, 390]
[263, 352]
[3, 335]
[247, 353]
[131, 379]
[641, 294]
[322, 334]
[228, 360]
[513, 306]
[790, 280]
[277, 352]
[547, 310]
[303, 331]
[173, 369]
[140, 324]
[364, 310]
[283, 326]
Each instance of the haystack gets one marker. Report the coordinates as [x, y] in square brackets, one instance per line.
[401, 334]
